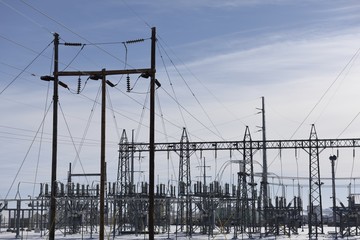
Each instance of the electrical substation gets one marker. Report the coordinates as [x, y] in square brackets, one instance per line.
[199, 207]
[244, 206]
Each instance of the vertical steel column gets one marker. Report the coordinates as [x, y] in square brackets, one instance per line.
[333, 159]
[264, 165]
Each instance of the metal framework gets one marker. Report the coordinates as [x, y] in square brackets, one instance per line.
[255, 144]
[315, 204]
[123, 188]
[209, 206]
[184, 216]
[246, 216]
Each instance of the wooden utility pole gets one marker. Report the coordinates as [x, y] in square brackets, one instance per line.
[96, 75]
[102, 155]
[54, 140]
[152, 137]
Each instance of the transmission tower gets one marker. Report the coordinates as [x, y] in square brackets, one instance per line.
[315, 204]
[184, 210]
[247, 186]
[123, 182]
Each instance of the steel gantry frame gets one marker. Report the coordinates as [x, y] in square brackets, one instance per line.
[247, 195]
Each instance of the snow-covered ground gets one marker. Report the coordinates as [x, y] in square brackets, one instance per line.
[108, 235]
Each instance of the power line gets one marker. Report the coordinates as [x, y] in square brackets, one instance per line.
[72, 141]
[218, 134]
[72, 31]
[189, 113]
[26, 154]
[137, 15]
[199, 80]
[28, 18]
[326, 91]
[171, 85]
[22, 71]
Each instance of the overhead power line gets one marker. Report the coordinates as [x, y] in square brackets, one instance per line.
[22, 71]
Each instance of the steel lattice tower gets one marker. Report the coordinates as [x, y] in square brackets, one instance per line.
[123, 180]
[315, 204]
[184, 210]
[247, 186]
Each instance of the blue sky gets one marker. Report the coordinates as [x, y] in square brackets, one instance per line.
[217, 58]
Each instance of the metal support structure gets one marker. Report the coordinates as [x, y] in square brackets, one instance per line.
[315, 218]
[248, 196]
[54, 140]
[255, 145]
[264, 182]
[152, 136]
[313, 146]
[184, 207]
[102, 75]
[333, 159]
[102, 156]
[123, 181]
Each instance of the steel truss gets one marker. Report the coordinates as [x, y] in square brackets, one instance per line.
[246, 216]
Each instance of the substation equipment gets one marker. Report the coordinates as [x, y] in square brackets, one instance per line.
[192, 207]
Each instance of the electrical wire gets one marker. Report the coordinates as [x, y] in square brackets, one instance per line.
[113, 114]
[201, 82]
[20, 45]
[72, 141]
[28, 18]
[190, 114]
[347, 126]
[22, 71]
[165, 134]
[16, 68]
[142, 105]
[72, 60]
[326, 91]
[41, 137]
[171, 85]
[87, 126]
[142, 115]
[137, 15]
[27, 153]
[218, 134]
[65, 141]
[352, 62]
[72, 31]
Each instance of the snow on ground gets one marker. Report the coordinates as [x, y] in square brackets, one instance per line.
[86, 235]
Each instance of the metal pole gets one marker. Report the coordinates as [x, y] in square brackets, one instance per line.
[132, 163]
[152, 137]
[54, 141]
[333, 159]
[102, 156]
[265, 171]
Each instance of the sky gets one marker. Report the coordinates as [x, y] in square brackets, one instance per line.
[214, 60]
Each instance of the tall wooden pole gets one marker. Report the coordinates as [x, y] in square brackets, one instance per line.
[152, 136]
[147, 71]
[102, 156]
[54, 141]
